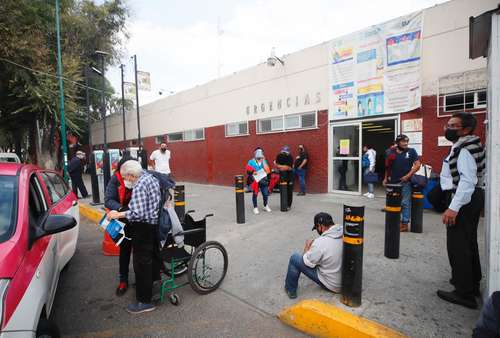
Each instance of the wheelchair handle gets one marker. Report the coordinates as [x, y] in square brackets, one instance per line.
[190, 211]
[209, 215]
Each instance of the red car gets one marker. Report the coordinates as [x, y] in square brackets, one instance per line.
[39, 219]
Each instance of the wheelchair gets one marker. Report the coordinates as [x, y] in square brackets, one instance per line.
[204, 262]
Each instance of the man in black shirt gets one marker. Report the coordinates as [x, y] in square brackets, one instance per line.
[284, 162]
[300, 168]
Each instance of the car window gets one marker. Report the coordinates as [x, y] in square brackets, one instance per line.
[61, 186]
[37, 204]
[53, 193]
[8, 206]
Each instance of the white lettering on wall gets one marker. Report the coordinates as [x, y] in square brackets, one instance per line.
[305, 100]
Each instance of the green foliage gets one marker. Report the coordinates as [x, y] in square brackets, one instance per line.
[28, 53]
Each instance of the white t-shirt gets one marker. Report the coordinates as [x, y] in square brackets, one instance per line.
[161, 161]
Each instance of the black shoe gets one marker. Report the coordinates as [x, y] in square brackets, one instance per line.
[291, 295]
[122, 288]
[455, 298]
[301, 194]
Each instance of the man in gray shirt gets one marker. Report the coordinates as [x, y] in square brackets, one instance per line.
[321, 260]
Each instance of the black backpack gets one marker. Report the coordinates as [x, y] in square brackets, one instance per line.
[166, 183]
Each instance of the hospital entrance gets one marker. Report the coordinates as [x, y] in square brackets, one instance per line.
[346, 151]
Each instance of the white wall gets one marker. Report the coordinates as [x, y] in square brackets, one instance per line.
[445, 50]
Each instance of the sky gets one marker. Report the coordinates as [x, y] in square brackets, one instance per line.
[188, 43]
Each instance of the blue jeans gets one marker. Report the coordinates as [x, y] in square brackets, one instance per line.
[264, 188]
[406, 202]
[296, 266]
[370, 185]
[301, 174]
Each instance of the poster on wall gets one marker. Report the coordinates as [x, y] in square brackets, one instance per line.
[377, 70]
[344, 147]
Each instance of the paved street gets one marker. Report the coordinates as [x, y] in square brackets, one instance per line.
[397, 293]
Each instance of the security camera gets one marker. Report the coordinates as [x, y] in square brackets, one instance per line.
[271, 61]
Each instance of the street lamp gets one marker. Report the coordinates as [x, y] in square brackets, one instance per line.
[93, 177]
[106, 168]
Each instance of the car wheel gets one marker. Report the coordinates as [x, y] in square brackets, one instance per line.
[47, 329]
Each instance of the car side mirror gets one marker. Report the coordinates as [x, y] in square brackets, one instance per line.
[53, 224]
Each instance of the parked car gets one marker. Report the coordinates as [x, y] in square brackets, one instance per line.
[9, 157]
[39, 223]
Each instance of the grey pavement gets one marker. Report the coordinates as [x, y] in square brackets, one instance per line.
[398, 293]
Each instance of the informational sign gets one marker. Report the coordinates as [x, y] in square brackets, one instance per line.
[443, 142]
[99, 161]
[412, 125]
[129, 90]
[114, 158]
[377, 70]
[415, 137]
[344, 146]
[144, 81]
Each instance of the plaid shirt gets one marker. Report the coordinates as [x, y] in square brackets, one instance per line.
[145, 202]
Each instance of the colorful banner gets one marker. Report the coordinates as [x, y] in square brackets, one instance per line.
[144, 81]
[377, 70]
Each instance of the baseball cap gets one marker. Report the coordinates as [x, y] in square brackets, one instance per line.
[285, 149]
[322, 218]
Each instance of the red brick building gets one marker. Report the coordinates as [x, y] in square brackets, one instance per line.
[213, 129]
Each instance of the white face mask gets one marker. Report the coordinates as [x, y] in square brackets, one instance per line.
[128, 184]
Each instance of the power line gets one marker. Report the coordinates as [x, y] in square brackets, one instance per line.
[54, 76]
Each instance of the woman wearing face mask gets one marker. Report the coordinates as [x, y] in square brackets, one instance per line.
[117, 197]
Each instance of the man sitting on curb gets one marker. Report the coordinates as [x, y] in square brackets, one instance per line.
[321, 260]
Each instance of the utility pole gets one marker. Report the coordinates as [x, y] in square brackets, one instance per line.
[61, 94]
[106, 169]
[139, 141]
[122, 66]
[93, 177]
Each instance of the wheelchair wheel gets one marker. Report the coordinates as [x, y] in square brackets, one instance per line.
[174, 299]
[207, 267]
[179, 268]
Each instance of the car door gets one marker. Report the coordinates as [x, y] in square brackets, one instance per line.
[63, 202]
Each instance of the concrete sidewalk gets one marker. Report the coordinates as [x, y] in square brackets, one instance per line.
[400, 294]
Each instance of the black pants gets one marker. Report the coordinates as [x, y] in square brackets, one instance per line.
[461, 242]
[125, 252]
[289, 178]
[77, 183]
[146, 259]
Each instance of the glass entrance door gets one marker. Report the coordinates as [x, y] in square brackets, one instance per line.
[346, 158]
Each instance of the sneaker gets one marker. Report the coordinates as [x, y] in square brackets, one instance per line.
[137, 308]
[122, 288]
[256, 211]
[291, 295]
[367, 194]
[403, 227]
[370, 195]
[266, 208]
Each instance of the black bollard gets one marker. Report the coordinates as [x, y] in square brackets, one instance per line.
[180, 202]
[392, 220]
[352, 261]
[283, 191]
[240, 199]
[417, 211]
[94, 182]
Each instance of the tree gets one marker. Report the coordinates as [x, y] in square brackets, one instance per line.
[29, 105]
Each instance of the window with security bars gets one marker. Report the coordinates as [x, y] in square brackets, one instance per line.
[175, 137]
[237, 129]
[194, 134]
[159, 139]
[462, 92]
[287, 122]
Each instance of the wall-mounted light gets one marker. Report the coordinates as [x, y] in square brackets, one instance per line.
[271, 60]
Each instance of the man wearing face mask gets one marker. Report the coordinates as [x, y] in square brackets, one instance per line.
[75, 169]
[143, 217]
[117, 197]
[161, 159]
[401, 163]
[462, 184]
[321, 260]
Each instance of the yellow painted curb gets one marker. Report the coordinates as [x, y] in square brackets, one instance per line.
[324, 320]
[90, 212]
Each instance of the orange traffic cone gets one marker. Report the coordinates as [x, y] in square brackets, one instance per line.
[108, 246]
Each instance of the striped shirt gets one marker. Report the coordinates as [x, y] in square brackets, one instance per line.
[145, 201]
